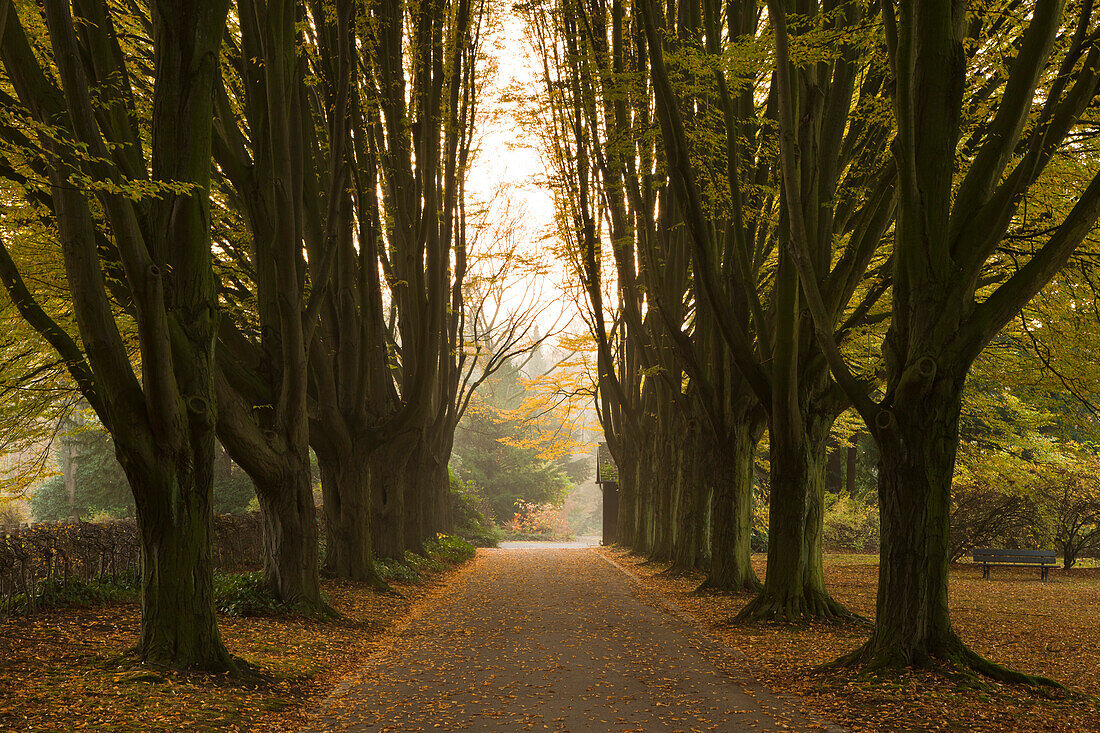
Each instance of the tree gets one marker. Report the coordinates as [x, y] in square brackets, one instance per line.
[128, 183]
[384, 357]
[961, 186]
[99, 487]
[653, 398]
[282, 148]
[839, 197]
[514, 444]
[489, 452]
[1072, 499]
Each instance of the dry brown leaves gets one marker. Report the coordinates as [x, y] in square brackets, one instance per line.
[1051, 629]
[68, 670]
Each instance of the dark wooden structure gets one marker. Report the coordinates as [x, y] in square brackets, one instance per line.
[989, 556]
[607, 476]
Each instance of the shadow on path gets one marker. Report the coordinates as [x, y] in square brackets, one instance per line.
[549, 640]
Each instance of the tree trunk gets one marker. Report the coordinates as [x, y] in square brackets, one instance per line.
[290, 540]
[915, 467]
[416, 484]
[179, 628]
[426, 494]
[626, 464]
[427, 498]
[388, 476]
[345, 483]
[438, 517]
[728, 471]
[69, 460]
[686, 525]
[834, 473]
[850, 471]
[666, 474]
[794, 588]
[1069, 557]
[643, 501]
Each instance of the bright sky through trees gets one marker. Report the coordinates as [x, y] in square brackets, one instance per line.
[509, 169]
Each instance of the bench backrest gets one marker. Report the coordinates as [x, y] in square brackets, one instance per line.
[1021, 557]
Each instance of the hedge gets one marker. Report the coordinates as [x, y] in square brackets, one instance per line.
[32, 556]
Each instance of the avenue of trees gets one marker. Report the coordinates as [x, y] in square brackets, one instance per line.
[246, 223]
[781, 211]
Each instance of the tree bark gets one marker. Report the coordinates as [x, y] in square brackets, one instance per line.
[915, 467]
[179, 628]
[850, 470]
[627, 464]
[345, 484]
[389, 474]
[666, 482]
[428, 474]
[687, 522]
[794, 587]
[290, 540]
[728, 471]
[643, 501]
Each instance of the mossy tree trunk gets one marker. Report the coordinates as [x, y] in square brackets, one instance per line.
[264, 374]
[162, 421]
[389, 473]
[915, 466]
[346, 486]
[794, 587]
[729, 474]
[291, 540]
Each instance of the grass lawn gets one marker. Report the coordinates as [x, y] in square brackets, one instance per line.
[67, 669]
[1048, 628]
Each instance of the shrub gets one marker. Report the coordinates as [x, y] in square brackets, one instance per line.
[472, 517]
[246, 594]
[421, 564]
[538, 522]
[73, 592]
[395, 570]
[449, 549]
[439, 552]
[850, 525]
[489, 536]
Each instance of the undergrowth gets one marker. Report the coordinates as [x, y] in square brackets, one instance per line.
[246, 594]
[71, 593]
[439, 553]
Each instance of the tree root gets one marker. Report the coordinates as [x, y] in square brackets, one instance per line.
[750, 584]
[678, 570]
[322, 612]
[799, 609]
[951, 656]
[230, 665]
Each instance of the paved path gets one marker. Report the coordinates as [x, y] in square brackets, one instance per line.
[549, 639]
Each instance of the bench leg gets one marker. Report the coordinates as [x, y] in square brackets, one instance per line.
[985, 570]
[1043, 573]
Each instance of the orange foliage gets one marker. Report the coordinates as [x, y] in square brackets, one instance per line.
[538, 522]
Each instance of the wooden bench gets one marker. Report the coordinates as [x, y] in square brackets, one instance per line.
[989, 556]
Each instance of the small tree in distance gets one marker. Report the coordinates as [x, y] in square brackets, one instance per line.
[1072, 498]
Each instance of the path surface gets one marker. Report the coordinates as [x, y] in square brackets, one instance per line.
[550, 639]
